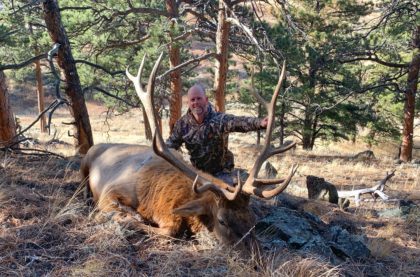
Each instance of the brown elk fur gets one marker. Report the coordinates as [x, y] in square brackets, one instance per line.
[131, 179]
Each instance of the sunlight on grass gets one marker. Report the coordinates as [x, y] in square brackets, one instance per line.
[380, 247]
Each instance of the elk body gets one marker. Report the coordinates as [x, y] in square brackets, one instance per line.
[170, 195]
[133, 179]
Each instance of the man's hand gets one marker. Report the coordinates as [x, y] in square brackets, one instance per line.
[264, 122]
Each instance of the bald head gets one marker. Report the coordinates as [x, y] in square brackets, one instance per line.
[197, 89]
[197, 102]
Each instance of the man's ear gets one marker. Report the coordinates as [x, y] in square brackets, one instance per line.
[195, 207]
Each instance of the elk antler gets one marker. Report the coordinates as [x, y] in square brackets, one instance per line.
[146, 97]
[207, 181]
[253, 185]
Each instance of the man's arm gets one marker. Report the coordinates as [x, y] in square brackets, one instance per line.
[231, 123]
[175, 139]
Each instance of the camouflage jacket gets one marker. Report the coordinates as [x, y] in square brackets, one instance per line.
[207, 142]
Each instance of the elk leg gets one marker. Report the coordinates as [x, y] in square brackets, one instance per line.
[132, 223]
[129, 218]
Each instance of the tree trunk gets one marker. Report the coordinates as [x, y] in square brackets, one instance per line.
[259, 131]
[222, 51]
[39, 85]
[282, 121]
[40, 94]
[282, 116]
[314, 130]
[307, 131]
[83, 132]
[7, 121]
[310, 116]
[175, 101]
[410, 102]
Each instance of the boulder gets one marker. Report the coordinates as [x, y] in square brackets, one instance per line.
[319, 189]
[306, 233]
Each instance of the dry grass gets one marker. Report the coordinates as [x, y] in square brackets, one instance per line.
[46, 228]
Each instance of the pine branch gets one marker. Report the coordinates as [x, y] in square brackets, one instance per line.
[112, 73]
[23, 64]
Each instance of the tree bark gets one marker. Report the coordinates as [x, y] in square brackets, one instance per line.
[259, 131]
[7, 120]
[307, 130]
[83, 133]
[309, 123]
[314, 130]
[40, 94]
[175, 100]
[410, 101]
[282, 117]
[222, 52]
[39, 85]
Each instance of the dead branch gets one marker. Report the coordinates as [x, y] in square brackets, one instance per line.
[91, 88]
[194, 60]
[35, 152]
[375, 191]
[24, 63]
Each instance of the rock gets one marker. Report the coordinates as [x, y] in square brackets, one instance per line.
[304, 232]
[415, 161]
[365, 155]
[267, 170]
[320, 189]
[404, 209]
[345, 245]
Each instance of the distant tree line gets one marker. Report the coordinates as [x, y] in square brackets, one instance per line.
[351, 64]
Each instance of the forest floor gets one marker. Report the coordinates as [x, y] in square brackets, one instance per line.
[47, 229]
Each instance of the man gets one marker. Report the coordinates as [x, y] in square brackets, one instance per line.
[204, 132]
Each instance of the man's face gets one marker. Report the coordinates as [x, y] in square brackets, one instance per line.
[197, 101]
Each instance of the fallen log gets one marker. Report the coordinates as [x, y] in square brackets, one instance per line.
[375, 191]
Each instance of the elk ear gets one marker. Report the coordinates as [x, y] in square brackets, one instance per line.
[195, 207]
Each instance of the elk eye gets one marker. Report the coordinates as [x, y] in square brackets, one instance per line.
[221, 222]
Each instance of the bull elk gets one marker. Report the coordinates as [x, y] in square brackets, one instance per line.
[175, 198]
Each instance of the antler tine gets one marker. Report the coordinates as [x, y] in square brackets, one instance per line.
[152, 77]
[146, 97]
[267, 151]
[279, 189]
[210, 186]
[283, 148]
[271, 106]
[137, 79]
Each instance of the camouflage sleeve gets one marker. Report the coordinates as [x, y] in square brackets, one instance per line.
[175, 139]
[231, 123]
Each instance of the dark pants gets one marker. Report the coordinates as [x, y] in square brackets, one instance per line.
[231, 177]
